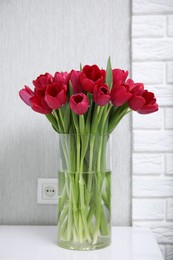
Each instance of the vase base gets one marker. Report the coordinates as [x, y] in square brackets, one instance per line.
[101, 243]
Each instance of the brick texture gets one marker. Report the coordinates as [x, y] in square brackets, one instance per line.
[152, 6]
[169, 164]
[164, 94]
[169, 209]
[169, 74]
[170, 25]
[152, 141]
[148, 164]
[148, 26]
[152, 160]
[152, 49]
[169, 118]
[152, 187]
[150, 73]
[151, 121]
[152, 209]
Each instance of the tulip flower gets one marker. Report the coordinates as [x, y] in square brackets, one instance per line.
[119, 75]
[79, 103]
[135, 88]
[75, 80]
[39, 105]
[25, 94]
[144, 104]
[91, 76]
[61, 78]
[101, 94]
[55, 95]
[120, 94]
[43, 81]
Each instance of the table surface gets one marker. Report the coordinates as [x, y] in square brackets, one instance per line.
[39, 242]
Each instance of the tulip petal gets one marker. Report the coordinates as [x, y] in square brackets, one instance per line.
[25, 94]
[101, 94]
[120, 95]
[43, 81]
[79, 103]
[119, 75]
[88, 85]
[56, 102]
[136, 102]
[91, 76]
[75, 80]
[39, 105]
[148, 109]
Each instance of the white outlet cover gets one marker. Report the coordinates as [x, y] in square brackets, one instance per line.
[47, 191]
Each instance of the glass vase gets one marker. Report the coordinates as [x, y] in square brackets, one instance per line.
[84, 192]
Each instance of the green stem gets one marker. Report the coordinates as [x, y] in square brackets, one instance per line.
[104, 229]
[59, 123]
[61, 120]
[98, 209]
[83, 207]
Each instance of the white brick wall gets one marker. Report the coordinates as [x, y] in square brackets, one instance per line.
[148, 26]
[169, 209]
[152, 63]
[169, 164]
[169, 74]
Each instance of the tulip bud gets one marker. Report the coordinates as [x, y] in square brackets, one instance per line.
[91, 76]
[75, 80]
[55, 95]
[25, 94]
[120, 94]
[119, 75]
[144, 104]
[101, 94]
[43, 81]
[39, 105]
[79, 103]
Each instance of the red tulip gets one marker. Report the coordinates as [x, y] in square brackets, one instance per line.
[135, 88]
[39, 105]
[25, 94]
[55, 95]
[91, 76]
[79, 103]
[101, 94]
[43, 81]
[120, 94]
[61, 78]
[119, 75]
[75, 80]
[144, 104]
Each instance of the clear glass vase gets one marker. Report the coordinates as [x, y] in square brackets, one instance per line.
[84, 192]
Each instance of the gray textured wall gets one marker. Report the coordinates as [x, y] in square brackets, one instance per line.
[39, 36]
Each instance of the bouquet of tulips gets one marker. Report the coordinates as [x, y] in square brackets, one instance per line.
[87, 104]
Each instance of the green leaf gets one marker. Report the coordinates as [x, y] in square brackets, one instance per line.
[119, 114]
[80, 67]
[52, 120]
[70, 88]
[88, 120]
[75, 118]
[67, 118]
[56, 129]
[109, 73]
[81, 124]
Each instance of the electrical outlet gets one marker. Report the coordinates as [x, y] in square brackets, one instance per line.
[47, 191]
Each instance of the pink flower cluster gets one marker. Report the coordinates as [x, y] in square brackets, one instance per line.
[53, 92]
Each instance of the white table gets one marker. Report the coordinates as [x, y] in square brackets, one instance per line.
[39, 242]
